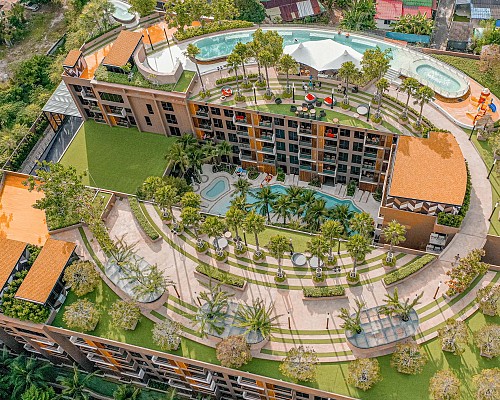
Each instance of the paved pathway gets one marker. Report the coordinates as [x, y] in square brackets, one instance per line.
[442, 22]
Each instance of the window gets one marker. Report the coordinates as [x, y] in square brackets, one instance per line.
[359, 135]
[215, 111]
[355, 170]
[281, 157]
[292, 124]
[357, 146]
[150, 108]
[344, 144]
[356, 159]
[342, 168]
[294, 170]
[228, 113]
[292, 135]
[294, 160]
[116, 98]
[232, 137]
[171, 119]
[280, 133]
[220, 135]
[131, 120]
[345, 133]
[218, 123]
[279, 122]
[167, 106]
[293, 148]
[230, 125]
[343, 156]
[280, 146]
[235, 149]
[148, 121]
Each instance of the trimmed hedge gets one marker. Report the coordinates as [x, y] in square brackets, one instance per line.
[211, 27]
[409, 269]
[221, 276]
[324, 291]
[232, 78]
[141, 218]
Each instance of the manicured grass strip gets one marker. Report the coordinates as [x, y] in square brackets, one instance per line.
[299, 340]
[324, 291]
[141, 219]
[89, 248]
[221, 276]
[184, 304]
[324, 354]
[408, 269]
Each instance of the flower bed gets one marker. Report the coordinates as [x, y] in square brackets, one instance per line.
[324, 291]
[408, 269]
[221, 276]
[141, 219]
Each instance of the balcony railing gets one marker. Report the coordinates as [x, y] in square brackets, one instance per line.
[270, 161]
[332, 149]
[202, 114]
[305, 156]
[241, 121]
[242, 133]
[244, 145]
[205, 127]
[247, 157]
[88, 95]
[266, 124]
[330, 172]
[118, 113]
[369, 167]
[370, 155]
[330, 160]
[307, 167]
[267, 150]
[369, 178]
[305, 143]
[266, 138]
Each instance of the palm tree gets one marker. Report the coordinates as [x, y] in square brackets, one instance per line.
[75, 386]
[255, 224]
[191, 52]
[282, 207]
[241, 203]
[177, 158]
[394, 233]
[211, 315]
[256, 319]
[423, 95]
[253, 52]
[343, 214]
[316, 214]
[393, 306]
[234, 217]
[266, 59]
[241, 187]
[25, 372]
[223, 149]
[382, 86]
[210, 152]
[332, 232]
[295, 193]
[187, 140]
[348, 72]
[358, 247]
[317, 247]
[409, 86]
[166, 197]
[242, 52]
[287, 64]
[197, 157]
[126, 392]
[265, 199]
[171, 394]
[233, 63]
[363, 224]
[213, 227]
[191, 217]
[277, 246]
[307, 199]
[352, 323]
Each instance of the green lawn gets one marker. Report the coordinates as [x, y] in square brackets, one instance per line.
[117, 158]
[184, 81]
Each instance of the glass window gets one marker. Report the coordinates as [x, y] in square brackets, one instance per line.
[228, 113]
[292, 124]
[344, 144]
[355, 170]
[342, 167]
[292, 135]
[167, 106]
[220, 135]
[356, 159]
[293, 148]
[294, 160]
[281, 146]
[343, 156]
[280, 133]
[218, 123]
[148, 121]
[230, 125]
[359, 135]
[174, 131]
[279, 122]
[116, 98]
[215, 110]
[150, 108]
[232, 137]
[171, 119]
[281, 157]
[357, 146]
[345, 133]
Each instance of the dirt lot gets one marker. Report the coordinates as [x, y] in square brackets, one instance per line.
[45, 27]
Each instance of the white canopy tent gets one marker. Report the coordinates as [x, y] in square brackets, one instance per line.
[323, 55]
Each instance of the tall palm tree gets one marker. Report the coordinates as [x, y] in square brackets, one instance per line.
[241, 203]
[233, 63]
[352, 323]
[191, 52]
[241, 187]
[214, 227]
[75, 386]
[393, 306]
[223, 149]
[127, 392]
[307, 199]
[295, 193]
[255, 223]
[382, 86]
[409, 86]
[287, 64]
[211, 315]
[234, 217]
[332, 232]
[394, 233]
[349, 73]
[317, 247]
[316, 214]
[26, 372]
[282, 207]
[187, 140]
[363, 224]
[266, 59]
[242, 52]
[253, 52]
[277, 246]
[343, 214]
[166, 196]
[423, 95]
[197, 157]
[256, 319]
[265, 199]
[358, 247]
[177, 158]
[191, 217]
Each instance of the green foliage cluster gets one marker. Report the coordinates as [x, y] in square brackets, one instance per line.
[22, 309]
[419, 24]
[490, 35]
[408, 269]
[30, 140]
[359, 15]
[324, 291]
[141, 219]
[456, 220]
[228, 79]
[351, 188]
[101, 74]
[34, 251]
[251, 10]
[220, 276]
[211, 27]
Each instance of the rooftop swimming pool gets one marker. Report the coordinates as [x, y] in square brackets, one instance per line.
[223, 204]
[121, 13]
[215, 189]
[442, 78]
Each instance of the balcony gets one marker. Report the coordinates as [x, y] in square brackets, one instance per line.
[328, 172]
[241, 120]
[369, 178]
[331, 149]
[374, 141]
[306, 167]
[265, 124]
[200, 113]
[329, 160]
[88, 95]
[267, 150]
[251, 396]
[245, 382]
[306, 143]
[244, 145]
[269, 138]
[119, 112]
[95, 109]
[269, 161]
[305, 156]
[164, 363]
[369, 167]
[205, 127]
[247, 157]
[370, 155]
[304, 131]
[133, 374]
[242, 133]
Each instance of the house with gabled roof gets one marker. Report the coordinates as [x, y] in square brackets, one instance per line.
[14, 257]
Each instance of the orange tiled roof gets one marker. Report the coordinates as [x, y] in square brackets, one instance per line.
[431, 169]
[45, 271]
[122, 48]
[72, 58]
[10, 253]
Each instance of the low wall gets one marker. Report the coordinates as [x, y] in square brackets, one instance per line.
[155, 76]
[492, 249]
[449, 53]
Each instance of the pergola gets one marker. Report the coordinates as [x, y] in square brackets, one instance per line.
[60, 105]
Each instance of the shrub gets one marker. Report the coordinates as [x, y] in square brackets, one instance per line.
[456, 220]
[488, 299]
[34, 251]
[233, 352]
[408, 269]
[81, 315]
[351, 188]
[211, 27]
[280, 279]
[239, 97]
[487, 384]
[409, 359]
[453, 335]
[464, 272]
[30, 140]
[363, 373]
[125, 314]
[280, 175]
[450, 220]
[352, 278]
[221, 276]
[232, 78]
[252, 173]
[487, 339]
[324, 291]
[222, 256]
[319, 279]
[141, 219]
[444, 385]
[166, 335]
[81, 277]
[300, 364]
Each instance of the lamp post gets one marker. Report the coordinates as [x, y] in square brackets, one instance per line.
[177, 292]
[331, 104]
[473, 128]
[245, 238]
[437, 290]
[254, 95]
[289, 323]
[493, 212]
[327, 320]
[368, 113]
[491, 169]
[293, 92]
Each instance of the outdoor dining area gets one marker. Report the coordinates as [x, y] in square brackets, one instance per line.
[308, 108]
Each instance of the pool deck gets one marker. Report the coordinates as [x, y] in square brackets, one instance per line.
[363, 200]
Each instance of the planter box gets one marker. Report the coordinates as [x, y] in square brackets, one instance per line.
[207, 278]
[304, 298]
[66, 228]
[409, 276]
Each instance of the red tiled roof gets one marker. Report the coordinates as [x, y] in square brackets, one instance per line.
[389, 9]
[427, 11]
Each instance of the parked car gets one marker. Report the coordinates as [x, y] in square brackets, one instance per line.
[32, 6]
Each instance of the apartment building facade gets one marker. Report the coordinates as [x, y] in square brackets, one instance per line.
[127, 363]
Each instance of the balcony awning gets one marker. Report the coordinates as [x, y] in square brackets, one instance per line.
[61, 102]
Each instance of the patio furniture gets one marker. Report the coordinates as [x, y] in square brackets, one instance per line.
[299, 259]
[362, 109]
[278, 100]
[227, 91]
[228, 235]
[329, 100]
[310, 98]
[310, 106]
[223, 98]
[304, 108]
[315, 262]
[335, 120]
[313, 112]
[318, 103]
[293, 108]
[322, 113]
[222, 242]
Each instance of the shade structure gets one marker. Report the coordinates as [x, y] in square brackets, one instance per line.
[323, 55]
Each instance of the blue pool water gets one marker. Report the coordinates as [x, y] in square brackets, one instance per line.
[215, 189]
[437, 77]
[221, 206]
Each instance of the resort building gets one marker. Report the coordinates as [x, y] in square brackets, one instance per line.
[428, 176]
[13, 258]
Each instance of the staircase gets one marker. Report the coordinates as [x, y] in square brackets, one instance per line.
[393, 76]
